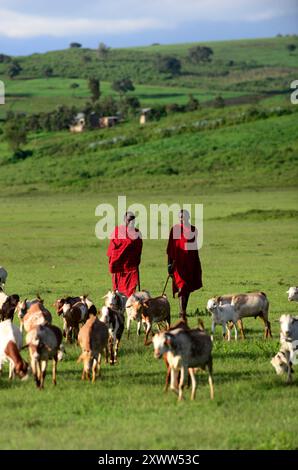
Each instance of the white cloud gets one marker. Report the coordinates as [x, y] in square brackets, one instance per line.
[216, 10]
[60, 18]
[22, 25]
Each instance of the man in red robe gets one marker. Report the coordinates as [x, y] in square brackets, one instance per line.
[184, 264]
[124, 252]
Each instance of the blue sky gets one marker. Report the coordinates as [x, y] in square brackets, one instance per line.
[28, 26]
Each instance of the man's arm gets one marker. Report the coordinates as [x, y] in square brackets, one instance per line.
[170, 253]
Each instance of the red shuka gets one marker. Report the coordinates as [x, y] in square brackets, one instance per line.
[183, 252]
[124, 252]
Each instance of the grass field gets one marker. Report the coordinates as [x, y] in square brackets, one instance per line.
[31, 96]
[250, 242]
[240, 162]
[246, 67]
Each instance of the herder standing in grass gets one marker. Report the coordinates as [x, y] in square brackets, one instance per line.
[184, 264]
[124, 254]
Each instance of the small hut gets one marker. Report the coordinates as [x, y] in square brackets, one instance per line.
[145, 115]
[108, 121]
[78, 123]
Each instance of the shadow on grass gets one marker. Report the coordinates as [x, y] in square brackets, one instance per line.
[160, 95]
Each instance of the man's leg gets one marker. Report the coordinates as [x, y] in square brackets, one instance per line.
[183, 301]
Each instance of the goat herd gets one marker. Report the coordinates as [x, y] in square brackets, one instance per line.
[99, 332]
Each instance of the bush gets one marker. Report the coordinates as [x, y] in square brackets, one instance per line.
[123, 85]
[200, 54]
[130, 105]
[4, 59]
[219, 102]
[20, 155]
[192, 104]
[15, 132]
[108, 106]
[168, 64]
[75, 45]
[158, 112]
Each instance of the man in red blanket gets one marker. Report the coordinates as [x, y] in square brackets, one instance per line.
[124, 252]
[184, 264]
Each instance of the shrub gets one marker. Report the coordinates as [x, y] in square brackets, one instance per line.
[168, 64]
[15, 132]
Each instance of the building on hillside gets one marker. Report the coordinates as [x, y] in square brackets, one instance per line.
[78, 124]
[108, 121]
[145, 115]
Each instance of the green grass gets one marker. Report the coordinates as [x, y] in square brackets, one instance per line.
[171, 152]
[259, 66]
[242, 166]
[32, 96]
[48, 246]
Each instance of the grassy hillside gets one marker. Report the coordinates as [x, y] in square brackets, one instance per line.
[32, 96]
[237, 68]
[232, 147]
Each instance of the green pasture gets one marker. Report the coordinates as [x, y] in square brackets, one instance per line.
[246, 67]
[239, 161]
[48, 246]
[41, 94]
[232, 153]
[262, 51]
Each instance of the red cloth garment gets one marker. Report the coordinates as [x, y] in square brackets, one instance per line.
[183, 252]
[124, 252]
[126, 283]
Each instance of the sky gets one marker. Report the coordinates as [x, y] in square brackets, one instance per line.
[28, 26]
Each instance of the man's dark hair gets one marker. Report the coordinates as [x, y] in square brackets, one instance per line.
[129, 216]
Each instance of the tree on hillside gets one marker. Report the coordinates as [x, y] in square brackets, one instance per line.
[4, 58]
[74, 86]
[129, 105]
[219, 102]
[74, 45]
[168, 64]
[14, 69]
[15, 132]
[122, 86]
[103, 50]
[193, 104]
[108, 106]
[47, 71]
[200, 54]
[94, 87]
[62, 116]
[291, 47]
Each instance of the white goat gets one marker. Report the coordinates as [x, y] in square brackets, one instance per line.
[115, 300]
[292, 294]
[132, 313]
[287, 354]
[221, 315]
